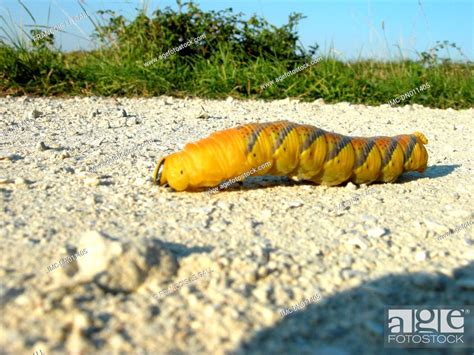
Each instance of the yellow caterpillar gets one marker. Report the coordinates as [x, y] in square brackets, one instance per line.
[303, 152]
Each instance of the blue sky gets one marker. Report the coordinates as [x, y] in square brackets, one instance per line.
[352, 29]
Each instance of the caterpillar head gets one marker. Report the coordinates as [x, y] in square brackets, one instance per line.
[172, 170]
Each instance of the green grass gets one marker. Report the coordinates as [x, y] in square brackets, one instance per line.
[235, 59]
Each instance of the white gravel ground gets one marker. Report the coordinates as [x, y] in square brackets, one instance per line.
[75, 174]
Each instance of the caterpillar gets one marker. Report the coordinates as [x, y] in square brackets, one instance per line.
[299, 151]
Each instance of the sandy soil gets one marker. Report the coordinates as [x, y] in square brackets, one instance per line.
[96, 259]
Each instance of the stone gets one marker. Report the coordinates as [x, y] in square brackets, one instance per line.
[421, 255]
[350, 186]
[376, 232]
[92, 181]
[358, 242]
[41, 146]
[35, 113]
[104, 124]
[20, 181]
[294, 204]
[261, 294]
[123, 267]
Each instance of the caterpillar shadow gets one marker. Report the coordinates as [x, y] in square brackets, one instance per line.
[352, 322]
[182, 250]
[268, 181]
[431, 172]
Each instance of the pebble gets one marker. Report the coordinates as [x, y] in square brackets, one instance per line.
[268, 316]
[95, 113]
[90, 200]
[350, 186]
[123, 267]
[266, 213]
[356, 241]
[250, 277]
[104, 124]
[120, 122]
[92, 181]
[35, 113]
[346, 261]
[347, 274]
[76, 342]
[223, 205]
[434, 226]
[140, 181]
[376, 232]
[261, 294]
[421, 255]
[294, 204]
[41, 146]
[20, 181]
[202, 210]
[262, 272]
[369, 219]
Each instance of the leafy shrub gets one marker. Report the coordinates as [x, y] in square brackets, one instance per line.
[236, 57]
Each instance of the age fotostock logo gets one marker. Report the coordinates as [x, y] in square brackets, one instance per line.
[425, 326]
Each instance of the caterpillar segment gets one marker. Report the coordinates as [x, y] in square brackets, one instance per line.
[302, 152]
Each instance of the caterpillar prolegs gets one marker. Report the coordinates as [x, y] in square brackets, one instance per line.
[299, 151]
